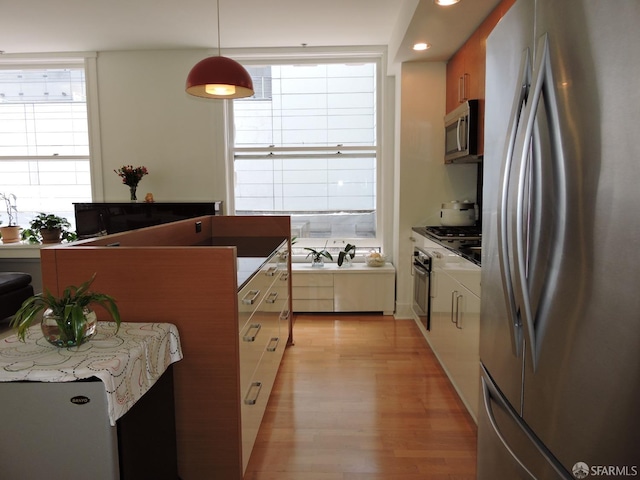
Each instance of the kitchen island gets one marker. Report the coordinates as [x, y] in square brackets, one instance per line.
[191, 273]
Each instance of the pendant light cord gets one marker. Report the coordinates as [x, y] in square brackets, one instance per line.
[218, 18]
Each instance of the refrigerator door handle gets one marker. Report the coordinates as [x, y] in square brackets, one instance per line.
[504, 250]
[542, 78]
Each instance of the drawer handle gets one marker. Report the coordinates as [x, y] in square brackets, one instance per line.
[272, 297]
[252, 395]
[284, 277]
[272, 346]
[253, 328]
[458, 311]
[453, 304]
[271, 271]
[285, 314]
[250, 297]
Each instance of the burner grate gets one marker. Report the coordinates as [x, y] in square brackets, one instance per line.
[455, 233]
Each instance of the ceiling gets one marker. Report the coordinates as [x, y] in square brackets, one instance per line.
[44, 26]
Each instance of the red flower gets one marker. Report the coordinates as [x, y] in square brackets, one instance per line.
[131, 176]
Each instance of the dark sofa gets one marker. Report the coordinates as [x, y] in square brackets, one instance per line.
[15, 288]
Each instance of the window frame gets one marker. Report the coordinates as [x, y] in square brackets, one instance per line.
[88, 62]
[375, 55]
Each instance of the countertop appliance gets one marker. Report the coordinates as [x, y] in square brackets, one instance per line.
[458, 214]
[559, 349]
[461, 134]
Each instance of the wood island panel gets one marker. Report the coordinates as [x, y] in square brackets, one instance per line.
[156, 275]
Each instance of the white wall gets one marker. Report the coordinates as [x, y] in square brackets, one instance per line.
[423, 181]
[146, 118]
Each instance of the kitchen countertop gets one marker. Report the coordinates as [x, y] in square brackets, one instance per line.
[247, 266]
[329, 267]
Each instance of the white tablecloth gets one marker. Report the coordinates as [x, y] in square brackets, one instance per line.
[128, 362]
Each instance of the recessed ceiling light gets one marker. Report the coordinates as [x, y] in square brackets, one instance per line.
[421, 46]
[445, 3]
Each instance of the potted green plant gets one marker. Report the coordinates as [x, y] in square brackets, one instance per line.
[48, 228]
[68, 320]
[10, 233]
[347, 253]
[318, 256]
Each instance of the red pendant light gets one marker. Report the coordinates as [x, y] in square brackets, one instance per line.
[219, 77]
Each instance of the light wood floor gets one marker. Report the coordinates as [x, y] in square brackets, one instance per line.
[362, 398]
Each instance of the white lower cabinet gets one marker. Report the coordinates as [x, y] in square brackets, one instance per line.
[312, 292]
[263, 332]
[358, 288]
[455, 331]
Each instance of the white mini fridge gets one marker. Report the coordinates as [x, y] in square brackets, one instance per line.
[61, 431]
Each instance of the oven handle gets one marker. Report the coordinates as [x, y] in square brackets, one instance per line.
[420, 269]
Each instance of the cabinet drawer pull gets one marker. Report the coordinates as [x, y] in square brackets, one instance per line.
[252, 395]
[272, 346]
[465, 85]
[271, 271]
[285, 314]
[458, 311]
[250, 297]
[272, 297]
[253, 328]
[284, 277]
[453, 305]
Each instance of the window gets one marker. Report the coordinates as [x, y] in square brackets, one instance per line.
[44, 140]
[306, 146]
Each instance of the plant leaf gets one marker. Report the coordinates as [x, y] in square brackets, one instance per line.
[78, 323]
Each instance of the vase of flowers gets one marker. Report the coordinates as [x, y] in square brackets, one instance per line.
[131, 177]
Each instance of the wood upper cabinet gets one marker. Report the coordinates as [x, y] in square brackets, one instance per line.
[455, 77]
[465, 73]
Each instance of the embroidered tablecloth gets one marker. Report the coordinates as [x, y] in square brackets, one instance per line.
[128, 362]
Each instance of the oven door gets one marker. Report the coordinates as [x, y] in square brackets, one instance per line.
[422, 294]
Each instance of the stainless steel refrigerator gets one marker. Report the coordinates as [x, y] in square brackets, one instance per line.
[560, 321]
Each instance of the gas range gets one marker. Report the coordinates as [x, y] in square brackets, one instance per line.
[463, 234]
[466, 241]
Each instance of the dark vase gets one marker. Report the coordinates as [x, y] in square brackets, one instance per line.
[132, 190]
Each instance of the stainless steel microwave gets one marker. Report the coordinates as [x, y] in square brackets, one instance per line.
[461, 134]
